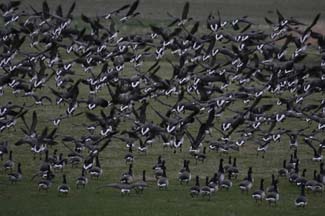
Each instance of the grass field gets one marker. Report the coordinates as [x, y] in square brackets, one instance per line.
[24, 198]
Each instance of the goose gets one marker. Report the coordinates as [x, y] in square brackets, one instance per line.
[158, 169]
[201, 156]
[318, 186]
[301, 180]
[45, 184]
[214, 183]
[290, 166]
[283, 172]
[141, 185]
[227, 166]
[163, 182]
[221, 171]
[273, 182]
[96, 171]
[234, 170]
[294, 175]
[301, 200]
[317, 152]
[3, 148]
[206, 190]
[295, 158]
[311, 183]
[82, 180]
[185, 175]
[60, 163]
[273, 196]
[64, 187]
[247, 183]
[127, 176]
[195, 190]
[9, 164]
[226, 183]
[259, 194]
[129, 156]
[322, 172]
[17, 176]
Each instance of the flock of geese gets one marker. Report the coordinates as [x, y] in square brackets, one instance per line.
[218, 87]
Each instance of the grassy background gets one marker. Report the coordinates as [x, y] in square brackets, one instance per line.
[24, 198]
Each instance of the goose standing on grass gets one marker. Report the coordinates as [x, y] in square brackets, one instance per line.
[163, 182]
[96, 171]
[45, 184]
[318, 186]
[60, 163]
[247, 183]
[195, 190]
[294, 175]
[259, 194]
[127, 177]
[201, 156]
[233, 169]
[273, 196]
[9, 164]
[158, 169]
[301, 200]
[141, 185]
[82, 180]
[311, 183]
[226, 183]
[283, 172]
[322, 172]
[17, 176]
[205, 191]
[129, 158]
[273, 182]
[214, 183]
[302, 179]
[64, 187]
[227, 166]
[185, 174]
